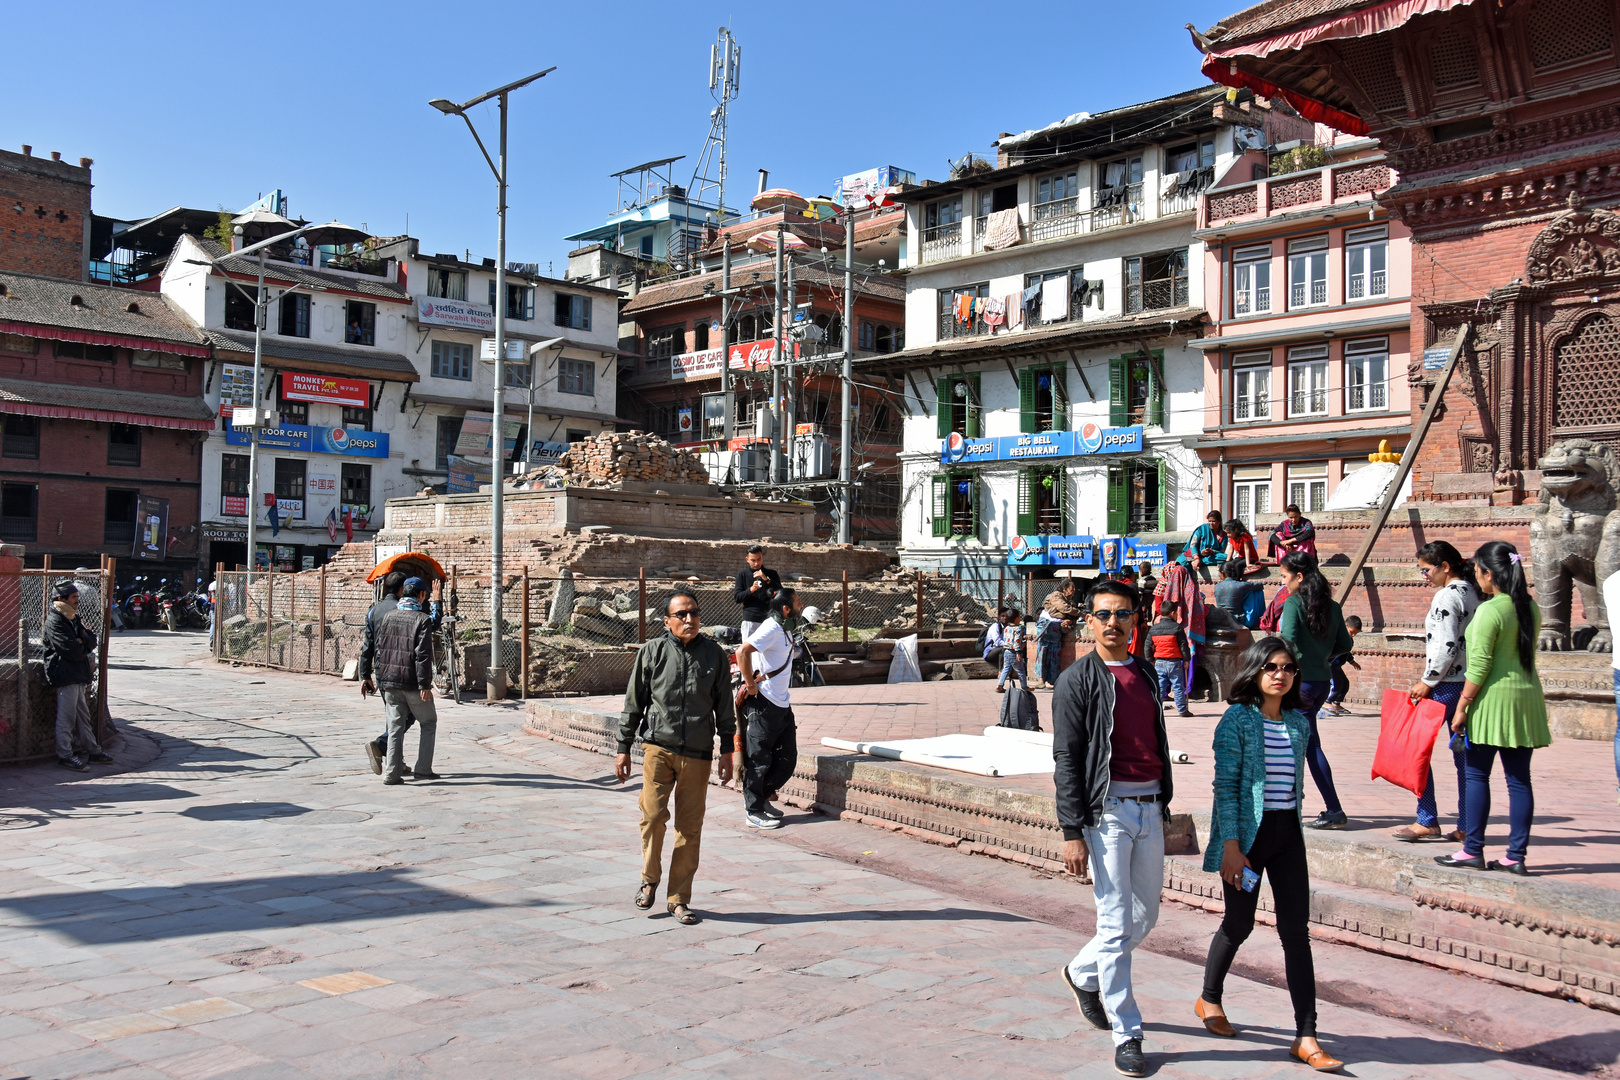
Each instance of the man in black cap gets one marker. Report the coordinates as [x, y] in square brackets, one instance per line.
[68, 649]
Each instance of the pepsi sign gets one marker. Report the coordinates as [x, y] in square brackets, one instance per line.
[1090, 439]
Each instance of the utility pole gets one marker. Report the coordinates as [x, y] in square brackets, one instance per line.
[790, 438]
[260, 313]
[845, 495]
[776, 363]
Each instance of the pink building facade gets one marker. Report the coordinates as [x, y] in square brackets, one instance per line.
[1308, 285]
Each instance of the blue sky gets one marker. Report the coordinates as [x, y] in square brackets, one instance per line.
[178, 105]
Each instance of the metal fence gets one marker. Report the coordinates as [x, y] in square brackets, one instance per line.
[564, 634]
[27, 704]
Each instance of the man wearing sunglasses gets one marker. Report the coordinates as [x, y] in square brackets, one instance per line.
[677, 703]
[1111, 761]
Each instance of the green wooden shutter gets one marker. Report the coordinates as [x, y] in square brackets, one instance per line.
[975, 407]
[1118, 391]
[942, 390]
[1026, 502]
[942, 505]
[1167, 497]
[1117, 501]
[1060, 477]
[1156, 389]
[1026, 400]
[1060, 398]
[974, 492]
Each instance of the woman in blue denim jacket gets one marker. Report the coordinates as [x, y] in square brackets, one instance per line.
[1255, 829]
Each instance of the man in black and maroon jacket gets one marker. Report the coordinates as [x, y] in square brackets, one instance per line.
[1111, 768]
[404, 671]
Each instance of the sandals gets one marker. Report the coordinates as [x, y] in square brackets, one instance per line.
[1414, 833]
[684, 915]
[1215, 1023]
[645, 894]
[1320, 1060]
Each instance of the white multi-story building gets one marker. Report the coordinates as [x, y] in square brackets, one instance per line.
[1047, 378]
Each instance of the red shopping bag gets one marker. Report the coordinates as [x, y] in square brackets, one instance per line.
[1405, 739]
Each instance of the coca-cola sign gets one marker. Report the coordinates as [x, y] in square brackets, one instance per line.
[756, 355]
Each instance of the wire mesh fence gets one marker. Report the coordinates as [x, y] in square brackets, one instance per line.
[27, 703]
[561, 634]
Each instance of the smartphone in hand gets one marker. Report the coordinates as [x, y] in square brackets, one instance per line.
[1248, 879]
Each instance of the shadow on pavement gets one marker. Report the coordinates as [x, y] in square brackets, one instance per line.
[250, 811]
[155, 913]
[865, 915]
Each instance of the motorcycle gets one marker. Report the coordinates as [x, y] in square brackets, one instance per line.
[168, 605]
[196, 611]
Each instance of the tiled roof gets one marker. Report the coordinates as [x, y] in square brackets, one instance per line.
[357, 360]
[685, 289]
[1274, 16]
[882, 225]
[103, 309]
[103, 399]
[302, 275]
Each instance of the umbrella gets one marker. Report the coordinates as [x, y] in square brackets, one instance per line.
[766, 241]
[411, 564]
[778, 199]
[821, 208]
[335, 232]
[265, 220]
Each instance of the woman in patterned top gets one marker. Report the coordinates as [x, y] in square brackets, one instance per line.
[1455, 598]
[1255, 828]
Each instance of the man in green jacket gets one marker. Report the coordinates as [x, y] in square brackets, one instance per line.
[677, 703]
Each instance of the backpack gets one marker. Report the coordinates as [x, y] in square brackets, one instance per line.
[1254, 608]
[1018, 710]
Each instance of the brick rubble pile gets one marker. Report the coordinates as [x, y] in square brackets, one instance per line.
[614, 456]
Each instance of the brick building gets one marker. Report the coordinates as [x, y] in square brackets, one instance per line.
[44, 215]
[102, 409]
[1503, 121]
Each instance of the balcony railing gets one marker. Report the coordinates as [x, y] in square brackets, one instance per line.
[1116, 205]
[942, 242]
[981, 225]
[1064, 217]
[1156, 294]
[950, 328]
[1297, 292]
[1358, 285]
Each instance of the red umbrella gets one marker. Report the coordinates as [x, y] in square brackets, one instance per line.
[411, 564]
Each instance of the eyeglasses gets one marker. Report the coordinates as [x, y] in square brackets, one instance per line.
[1113, 615]
[689, 613]
[1280, 669]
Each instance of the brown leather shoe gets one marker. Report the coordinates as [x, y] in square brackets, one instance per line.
[1318, 1060]
[1216, 1023]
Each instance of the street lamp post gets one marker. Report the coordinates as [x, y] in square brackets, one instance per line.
[496, 680]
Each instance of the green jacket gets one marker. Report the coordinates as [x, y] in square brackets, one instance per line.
[1314, 652]
[1511, 709]
[679, 698]
[1240, 777]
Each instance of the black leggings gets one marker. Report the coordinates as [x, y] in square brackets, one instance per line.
[1278, 852]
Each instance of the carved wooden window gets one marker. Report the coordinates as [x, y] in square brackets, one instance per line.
[1564, 32]
[1371, 61]
[1587, 377]
[1454, 59]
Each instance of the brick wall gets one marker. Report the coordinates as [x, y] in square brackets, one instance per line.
[50, 233]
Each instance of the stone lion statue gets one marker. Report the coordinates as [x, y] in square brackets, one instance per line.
[1575, 538]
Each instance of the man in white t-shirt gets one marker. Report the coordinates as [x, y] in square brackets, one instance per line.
[1611, 604]
[770, 740]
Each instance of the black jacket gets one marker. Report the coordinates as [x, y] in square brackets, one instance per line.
[368, 641]
[1082, 730]
[68, 647]
[405, 650]
[756, 605]
[679, 698]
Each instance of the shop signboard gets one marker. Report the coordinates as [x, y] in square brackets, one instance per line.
[756, 355]
[1026, 551]
[318, 440]
[321, 484]
[1090, 439]
[457, 314]
[296, 386]
[547, 453]
[1137, 553]
[1071, 551]
[235, 386]
[234, 505]
[151, 527]
[1111, 552]
[703, 364]
[475, 438]
[465, 475]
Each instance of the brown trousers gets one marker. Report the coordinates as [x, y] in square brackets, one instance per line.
[664, 773]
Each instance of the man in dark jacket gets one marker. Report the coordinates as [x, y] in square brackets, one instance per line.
[753, 590]
[377, 749]
[68, 650]
[1111, 768]
[404, 668]
[677, 703]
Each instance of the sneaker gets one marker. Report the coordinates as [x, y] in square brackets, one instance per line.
[101, 758]
[420, 775]
[72, 763]
[774, 811]
[1089, 1001]
[761, 821]
[1184, 712]
[1128, 1059]
[1325, 820]
[375, 758]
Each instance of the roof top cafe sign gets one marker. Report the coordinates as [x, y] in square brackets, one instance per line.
[1090, 439]
[705, 363]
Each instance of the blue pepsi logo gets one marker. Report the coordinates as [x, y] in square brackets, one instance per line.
[955, 446]
[1091, 438]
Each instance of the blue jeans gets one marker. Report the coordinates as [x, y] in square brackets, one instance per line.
[1126, 851]
[1478, 760]
[1428, 813]
[1048, 648]
[1012, 667]
[1312, 694]
[1617, 727]
[1172, 674]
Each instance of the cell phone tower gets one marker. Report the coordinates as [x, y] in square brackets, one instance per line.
[725, 71]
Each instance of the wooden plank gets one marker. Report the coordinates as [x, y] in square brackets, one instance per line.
[1405, 468]
[1091, 395]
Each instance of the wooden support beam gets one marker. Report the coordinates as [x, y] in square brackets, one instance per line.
[1091, 395]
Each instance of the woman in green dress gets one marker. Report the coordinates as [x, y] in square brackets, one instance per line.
[1501, 711]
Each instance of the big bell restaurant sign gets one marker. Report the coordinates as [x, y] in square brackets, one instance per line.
[457, 314]
[1090, 439]
[296, 386]
[316, 440]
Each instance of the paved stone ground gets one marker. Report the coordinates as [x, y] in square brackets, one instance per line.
[243, 898]
[1574, 838]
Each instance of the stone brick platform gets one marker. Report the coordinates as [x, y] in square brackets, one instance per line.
[1557, 932]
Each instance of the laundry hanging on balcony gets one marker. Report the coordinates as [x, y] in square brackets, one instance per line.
[1055, 298]
[995, 312]
[1001, 230]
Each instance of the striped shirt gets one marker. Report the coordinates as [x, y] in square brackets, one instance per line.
[1280, 769]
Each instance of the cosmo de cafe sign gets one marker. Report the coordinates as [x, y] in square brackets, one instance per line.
[1106, 553]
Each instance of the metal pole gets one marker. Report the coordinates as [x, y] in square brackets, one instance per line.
[292, 621]
[846, 605]
[320, 619]
[845, 493]
[790, 395]
[919, 603]
[495, 683]
[641, 606]
[523, 650]
[725, 321]
[24, 719]
[528, 425]
[776, 362]
[253, 431]
[269, 596]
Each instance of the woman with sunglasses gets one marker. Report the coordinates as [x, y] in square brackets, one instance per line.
[1446, 663]
[1313, 625]
[1502, 710]
[1255, 829]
